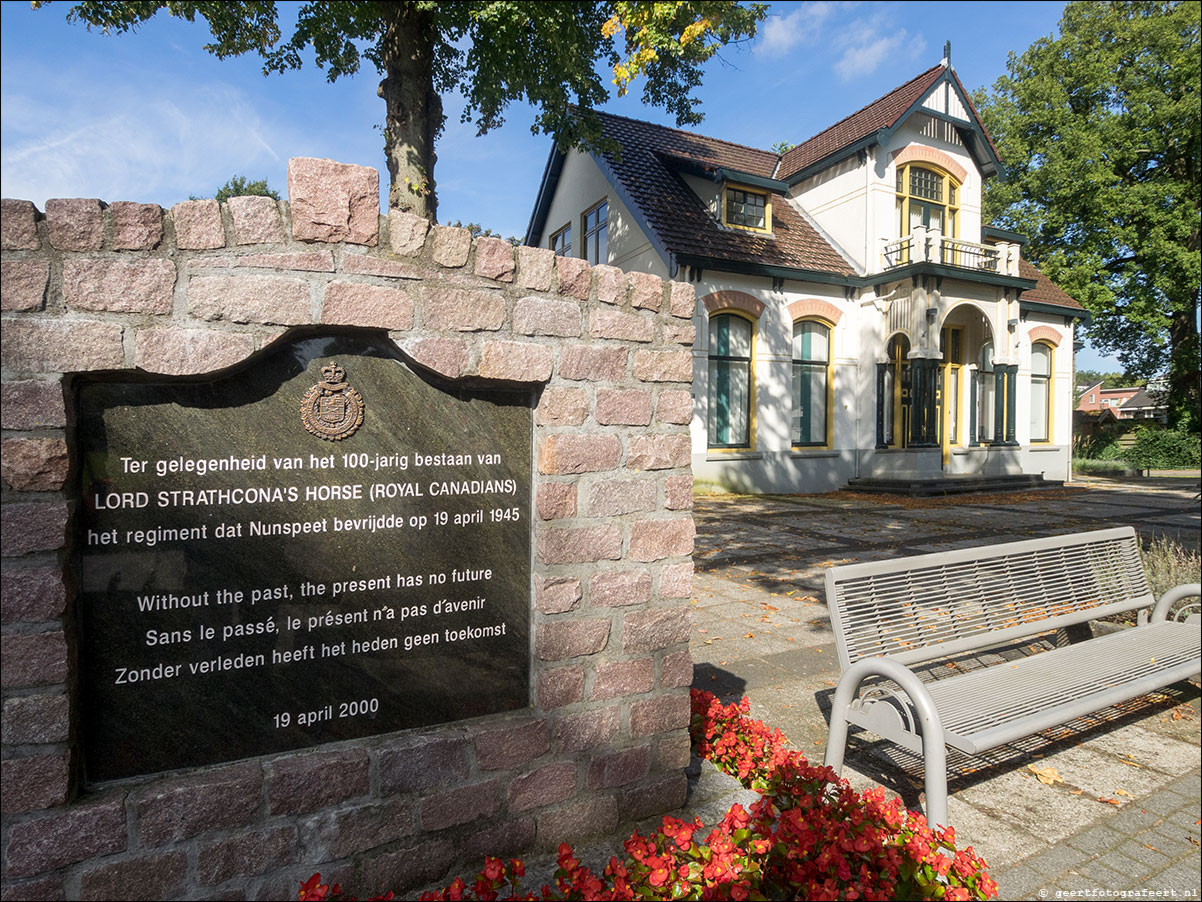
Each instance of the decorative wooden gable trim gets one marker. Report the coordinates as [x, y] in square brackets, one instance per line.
[814, 307]
[923, 154]
[1045, 333]
[729, 299]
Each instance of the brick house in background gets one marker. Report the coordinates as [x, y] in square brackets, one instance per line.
[856, 317]
[1131, 403]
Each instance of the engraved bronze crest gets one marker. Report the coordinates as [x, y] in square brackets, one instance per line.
[331, 409]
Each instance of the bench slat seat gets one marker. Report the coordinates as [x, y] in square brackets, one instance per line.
[990, 707]
[889, 616]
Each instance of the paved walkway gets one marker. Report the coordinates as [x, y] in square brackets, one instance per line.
[1125, 820]
[1125, 817]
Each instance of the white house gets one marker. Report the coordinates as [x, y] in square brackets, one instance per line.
[856, 319]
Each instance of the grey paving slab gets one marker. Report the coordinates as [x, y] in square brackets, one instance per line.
[1035, 836]
[1038, 839]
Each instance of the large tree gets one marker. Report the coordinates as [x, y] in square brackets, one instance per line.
[1099, 133]
[493, 52]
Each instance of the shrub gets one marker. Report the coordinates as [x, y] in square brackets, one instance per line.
[1169, 564]
[810, 836]
[1163, 449]
[1103, 446]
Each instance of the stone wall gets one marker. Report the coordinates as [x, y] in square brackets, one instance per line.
[126, 286]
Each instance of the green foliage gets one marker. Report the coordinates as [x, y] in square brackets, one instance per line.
[479, 231]
[1169, 565]
[238, 186]
[1088, 465]
[492, 53]
[783, 147]
[1103, 446]
[1164, 449]
[1099, 130]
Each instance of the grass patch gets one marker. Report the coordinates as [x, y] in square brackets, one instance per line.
[1085, 465]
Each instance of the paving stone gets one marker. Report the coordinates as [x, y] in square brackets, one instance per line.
[1018, 882]
[1096, 840]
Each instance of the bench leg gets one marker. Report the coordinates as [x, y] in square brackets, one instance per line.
[934, 763]
[836, 740]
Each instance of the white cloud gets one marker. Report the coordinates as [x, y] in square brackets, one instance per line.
[781, 34]
[865, 49]
[155, 143]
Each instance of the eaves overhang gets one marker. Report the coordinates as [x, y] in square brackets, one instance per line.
[768, 270]
[546, 191]
[1056, 309]
[753, 181]
[943, 271]
[996, 234]
[722, 173]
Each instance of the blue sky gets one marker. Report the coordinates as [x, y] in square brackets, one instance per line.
[152, 117]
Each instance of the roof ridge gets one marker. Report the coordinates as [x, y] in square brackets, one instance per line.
[925, 74]
[681, 131]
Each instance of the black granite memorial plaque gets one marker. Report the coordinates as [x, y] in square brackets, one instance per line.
[321, 545]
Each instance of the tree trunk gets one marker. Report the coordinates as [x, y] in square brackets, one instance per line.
[1185, 381]
[413, 117]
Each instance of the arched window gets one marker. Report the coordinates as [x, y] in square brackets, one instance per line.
[730, 386]
[1041, 392]
[927, 197]
[811, 383]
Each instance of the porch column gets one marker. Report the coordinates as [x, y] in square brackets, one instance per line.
[923, 373]
[1011, 402]
[999, 405]
[881, 401]
[974, 401]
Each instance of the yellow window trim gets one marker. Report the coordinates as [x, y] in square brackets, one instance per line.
[767, 230]
[751, 400]
[829, 444]
[1050, 440]
[949, 181]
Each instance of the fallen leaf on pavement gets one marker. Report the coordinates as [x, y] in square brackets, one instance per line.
[1123, 792]
[1109, 801]
[1047, 775]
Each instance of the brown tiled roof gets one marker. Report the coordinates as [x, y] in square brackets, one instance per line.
[881, 113]
[647, 174]
[1045, 291]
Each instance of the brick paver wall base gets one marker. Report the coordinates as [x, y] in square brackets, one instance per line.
[127, 286]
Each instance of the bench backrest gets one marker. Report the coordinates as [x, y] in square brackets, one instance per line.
[932, 606]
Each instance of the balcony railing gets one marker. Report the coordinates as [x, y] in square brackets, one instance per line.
[968, 254]
[929, 245]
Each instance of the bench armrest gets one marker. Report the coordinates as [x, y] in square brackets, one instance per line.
[1171, 597]
[934, 748]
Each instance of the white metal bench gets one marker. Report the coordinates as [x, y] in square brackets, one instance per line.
[891, 615]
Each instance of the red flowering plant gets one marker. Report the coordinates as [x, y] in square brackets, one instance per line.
[826, 840]
[810, 836]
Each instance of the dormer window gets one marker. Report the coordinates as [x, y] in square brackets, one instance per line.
[746, 209]
[927, 197]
